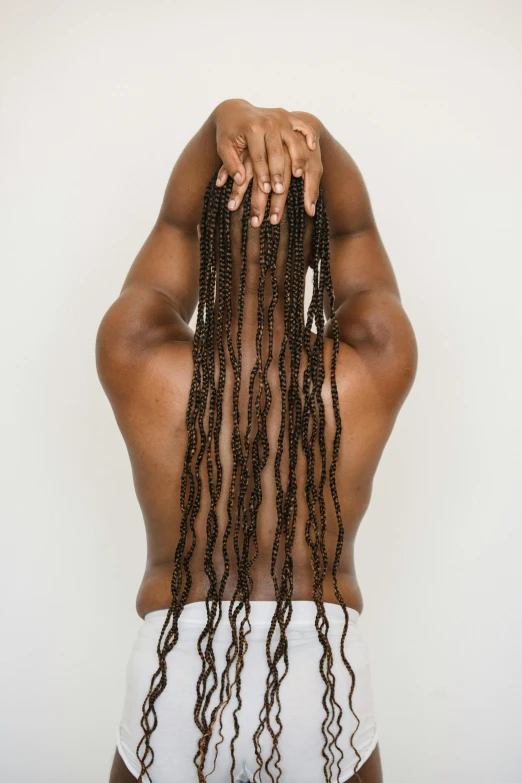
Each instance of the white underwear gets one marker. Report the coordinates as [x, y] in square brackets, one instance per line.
[175, 739]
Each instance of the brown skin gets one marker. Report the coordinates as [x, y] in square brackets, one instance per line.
[144, 358]
[267, 134]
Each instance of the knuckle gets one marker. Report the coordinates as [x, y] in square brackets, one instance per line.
[258, 158]
[231, 140]
[276, 152]
[316, 170]
[250, 127]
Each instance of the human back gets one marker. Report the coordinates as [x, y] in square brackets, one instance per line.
[153, 423]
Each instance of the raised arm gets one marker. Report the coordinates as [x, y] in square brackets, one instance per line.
[368, 305]
[160, 292]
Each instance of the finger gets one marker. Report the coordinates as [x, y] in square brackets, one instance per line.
[299, 152]
[312, 178]
[238, 191]
[229, 152]
[223, 173]
[308, 132]
[257, 149]
[276, 160]
[221, 177]
[257, 204]
[278, 200]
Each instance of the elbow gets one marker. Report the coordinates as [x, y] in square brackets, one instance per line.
[404, 345]
[104, 348]
[387, 327]
[392, 332]
[112, 348]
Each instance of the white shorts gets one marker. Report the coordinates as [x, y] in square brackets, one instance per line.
[175, 740]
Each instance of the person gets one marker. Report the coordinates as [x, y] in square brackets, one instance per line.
[254, 441]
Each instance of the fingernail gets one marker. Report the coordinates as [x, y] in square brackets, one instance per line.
[218, 181]
[255, 222]
[266, 187]
[298, 172]
[313, 209]
[273, 219]
[278, 187]
[237, 178]
[232, 203]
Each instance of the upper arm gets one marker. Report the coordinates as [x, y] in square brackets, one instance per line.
[168, 263]
[370, 315]
[160, 293]
[162, 286]
[367, 300]
[155, 304]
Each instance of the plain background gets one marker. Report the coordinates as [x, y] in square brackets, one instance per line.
[98, 100]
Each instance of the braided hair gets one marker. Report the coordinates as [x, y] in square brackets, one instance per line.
[302, 425]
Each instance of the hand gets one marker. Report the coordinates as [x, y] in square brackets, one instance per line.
[277, 201]
[266, 133]
[313, 172]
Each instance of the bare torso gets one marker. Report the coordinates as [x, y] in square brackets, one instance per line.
[153, 425]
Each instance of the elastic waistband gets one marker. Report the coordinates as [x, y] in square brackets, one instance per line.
[261, 612]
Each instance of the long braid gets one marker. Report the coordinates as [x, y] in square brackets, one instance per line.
[325, 254]
[316, 494]
[248, 512]
[302, 427]
[283, 611]
[213, 605]
[235, 357]
[272, 675]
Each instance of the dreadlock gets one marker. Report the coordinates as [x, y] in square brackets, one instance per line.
[302, 425]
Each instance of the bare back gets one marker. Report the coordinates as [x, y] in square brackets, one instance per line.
[152, 421]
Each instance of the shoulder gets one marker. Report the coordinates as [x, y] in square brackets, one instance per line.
[140, 342]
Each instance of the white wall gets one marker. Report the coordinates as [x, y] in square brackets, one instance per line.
[98, 100]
